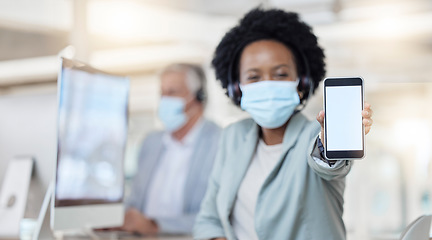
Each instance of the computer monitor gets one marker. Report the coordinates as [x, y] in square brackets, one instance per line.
[91, 140]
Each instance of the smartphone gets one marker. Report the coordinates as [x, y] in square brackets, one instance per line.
[343, 121]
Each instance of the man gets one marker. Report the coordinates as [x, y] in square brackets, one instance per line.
[174, 164]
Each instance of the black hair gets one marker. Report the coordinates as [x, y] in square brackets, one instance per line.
[273, 24]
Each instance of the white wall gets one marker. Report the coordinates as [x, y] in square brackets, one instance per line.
[28, 127]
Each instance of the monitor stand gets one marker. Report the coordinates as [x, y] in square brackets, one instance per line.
[43, 228]
[13, 195]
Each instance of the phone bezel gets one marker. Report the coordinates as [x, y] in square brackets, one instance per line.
[348, 154]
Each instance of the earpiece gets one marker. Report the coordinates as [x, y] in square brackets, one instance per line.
[306, 86]
[234, 92]
[233, 86]
[200, 95]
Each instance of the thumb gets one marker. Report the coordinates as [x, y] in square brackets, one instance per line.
[320, 118]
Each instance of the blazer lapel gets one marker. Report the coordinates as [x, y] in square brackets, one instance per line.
[242, 157]
[292, 132]
[195, 165]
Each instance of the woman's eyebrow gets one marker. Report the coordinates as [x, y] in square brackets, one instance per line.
[251, 70]
[281, 65]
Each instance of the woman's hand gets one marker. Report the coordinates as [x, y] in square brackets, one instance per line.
[366, 114]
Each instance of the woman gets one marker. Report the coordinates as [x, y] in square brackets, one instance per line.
[270, 180]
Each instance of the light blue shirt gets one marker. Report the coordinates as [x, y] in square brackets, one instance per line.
[166, 190]
[199, 168]
[299, 199]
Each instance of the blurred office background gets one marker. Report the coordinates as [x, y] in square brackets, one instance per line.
[387, 42]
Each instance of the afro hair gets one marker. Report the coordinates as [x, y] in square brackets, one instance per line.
[273, 24]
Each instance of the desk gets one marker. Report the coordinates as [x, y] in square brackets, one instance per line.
[127, 236]
[136, 238]
[158, 238]
[395, 237]
[390, 236]
[123, 238]
[28, 226]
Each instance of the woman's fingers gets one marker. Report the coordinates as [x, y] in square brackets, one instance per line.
[367, 122]
[367, 117]
[367, 129]
[367, 112]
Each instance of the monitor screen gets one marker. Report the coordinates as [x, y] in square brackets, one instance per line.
[92, 133]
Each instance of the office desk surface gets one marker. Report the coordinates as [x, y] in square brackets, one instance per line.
[157, 238]
[122, 236]
[116, 237]
[136, 238]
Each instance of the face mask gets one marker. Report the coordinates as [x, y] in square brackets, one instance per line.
[171, 113]
[270, 103]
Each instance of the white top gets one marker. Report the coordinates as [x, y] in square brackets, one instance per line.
[263, 162]
[166, 190]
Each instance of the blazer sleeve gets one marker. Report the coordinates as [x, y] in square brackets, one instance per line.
[207, 223]
[176, 225]
[338, 171]
[134, 199]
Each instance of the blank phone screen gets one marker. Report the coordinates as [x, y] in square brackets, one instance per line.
[344, 129]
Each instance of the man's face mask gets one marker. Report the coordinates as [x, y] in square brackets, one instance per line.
[171, 113]
[270, 103]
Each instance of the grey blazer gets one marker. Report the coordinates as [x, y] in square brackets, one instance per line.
[196, 182]
[300, 199]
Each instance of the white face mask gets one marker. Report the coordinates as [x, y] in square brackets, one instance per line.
[270, 103]
[171, 113]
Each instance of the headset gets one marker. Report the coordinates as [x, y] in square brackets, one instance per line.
[305, 86]
[200, 95]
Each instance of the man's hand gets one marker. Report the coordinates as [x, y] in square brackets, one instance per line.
[136, 222]
[366, 114]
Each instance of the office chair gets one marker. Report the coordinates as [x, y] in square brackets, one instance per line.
[418, 230]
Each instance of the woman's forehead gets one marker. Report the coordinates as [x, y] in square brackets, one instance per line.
[266, 52]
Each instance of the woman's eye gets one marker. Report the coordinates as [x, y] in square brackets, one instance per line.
[282, 75]
[252, 78]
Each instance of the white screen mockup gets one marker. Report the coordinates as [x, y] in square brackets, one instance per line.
[343, 118]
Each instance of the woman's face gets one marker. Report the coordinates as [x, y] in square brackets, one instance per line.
[267, 60]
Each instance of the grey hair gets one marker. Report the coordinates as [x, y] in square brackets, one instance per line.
[195, 77]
